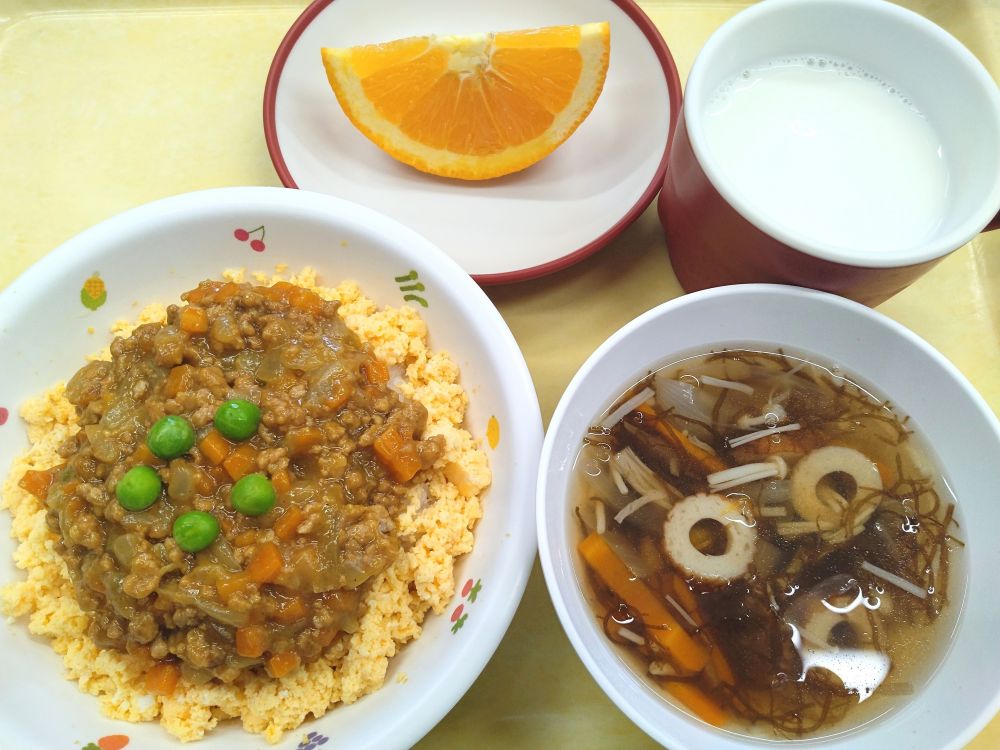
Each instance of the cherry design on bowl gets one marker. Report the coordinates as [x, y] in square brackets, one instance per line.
[4, 415]
[257, 243]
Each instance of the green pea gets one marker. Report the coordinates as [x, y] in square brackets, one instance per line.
[195, 530]
[253, 495]
[138, 488]
[170, 437]
[237, 419]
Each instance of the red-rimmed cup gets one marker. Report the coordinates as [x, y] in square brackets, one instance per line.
[720, 230]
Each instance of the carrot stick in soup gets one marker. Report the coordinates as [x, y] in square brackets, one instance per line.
[699, 455]
[686, 653]
[695, 699]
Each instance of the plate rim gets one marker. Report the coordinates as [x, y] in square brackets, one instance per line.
[674, 97]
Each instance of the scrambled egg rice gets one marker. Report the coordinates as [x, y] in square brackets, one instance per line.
[437, 526]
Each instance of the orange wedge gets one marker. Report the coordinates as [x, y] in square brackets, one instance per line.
[476, 106]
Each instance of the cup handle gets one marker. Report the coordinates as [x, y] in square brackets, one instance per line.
[995, 224]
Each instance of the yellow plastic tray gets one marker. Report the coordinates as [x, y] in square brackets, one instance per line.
[107, 104]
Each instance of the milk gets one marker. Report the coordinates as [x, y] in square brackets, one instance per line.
[829, 153]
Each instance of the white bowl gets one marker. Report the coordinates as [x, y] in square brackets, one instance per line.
[964, 693]
[153, 253]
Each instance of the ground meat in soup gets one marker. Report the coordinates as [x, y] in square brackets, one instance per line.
[337, 444]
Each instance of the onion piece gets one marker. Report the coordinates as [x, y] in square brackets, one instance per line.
[214, 610]
[682, 399]
[627, 408]
[895, 580]
[599, 478]
[125, 547]
[730, 384]
[628, 554]
[743, 439]
[585, 513]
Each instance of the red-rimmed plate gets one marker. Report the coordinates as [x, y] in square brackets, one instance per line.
[513, 228]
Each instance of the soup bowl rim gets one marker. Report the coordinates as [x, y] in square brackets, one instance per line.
[601, 379]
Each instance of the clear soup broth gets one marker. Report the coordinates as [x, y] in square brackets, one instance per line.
[769, 543]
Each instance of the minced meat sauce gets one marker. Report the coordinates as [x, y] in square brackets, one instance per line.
[338, 446]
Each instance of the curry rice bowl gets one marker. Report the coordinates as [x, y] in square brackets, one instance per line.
[436, 515]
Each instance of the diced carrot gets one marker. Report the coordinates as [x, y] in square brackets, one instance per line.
[37, 482]
[339, 397]
[301, 440]
[396, 454]
[375, 371]
[721, 665]
[242, 461]
[269, 293]
[281, 480]
[229, 585]
[245, 538]
[291, 611]
[226, 291]
[162, 678]
[214, 447]
[265, 564]
[292, 295]
[687, 654]
[143, 455]
[707, 461]
[700, 704]
[281, 664]
[306, 300]
[203, 290]
[251, 640]
[285, 528]
[280, 291]
[193, 320]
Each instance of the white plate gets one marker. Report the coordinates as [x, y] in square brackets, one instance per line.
[517, 227]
